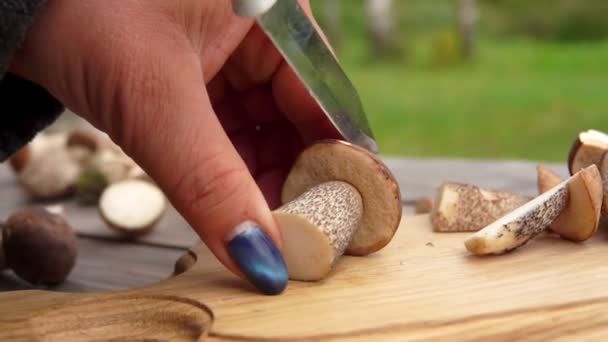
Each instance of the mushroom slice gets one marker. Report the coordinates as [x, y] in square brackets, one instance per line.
[132, 207]
[468, 208]
[519, 226]
[587, 149]
[317, 226]
[580, 218]
[334, 160]
[546, 178]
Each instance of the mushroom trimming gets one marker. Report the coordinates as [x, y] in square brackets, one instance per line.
[338, 198]
[39, 246]
[467, 208]
[533, 218]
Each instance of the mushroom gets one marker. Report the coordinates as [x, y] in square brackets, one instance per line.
[467, 208]
[423, 205]
[587, 149]
[546, 178]
[39, 246]
[580, 219]
[338, 198]
[45, 168]
[132, 207]
[557, 207]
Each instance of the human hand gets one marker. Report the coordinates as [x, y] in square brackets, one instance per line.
[199, 98]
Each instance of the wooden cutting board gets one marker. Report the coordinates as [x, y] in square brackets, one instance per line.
[424, 285]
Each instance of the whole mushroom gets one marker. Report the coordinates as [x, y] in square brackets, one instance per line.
[39, 246]
[338, 198]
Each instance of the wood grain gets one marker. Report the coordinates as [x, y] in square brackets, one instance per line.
[422, 286]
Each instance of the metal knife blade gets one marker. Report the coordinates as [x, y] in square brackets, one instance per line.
[295, 37]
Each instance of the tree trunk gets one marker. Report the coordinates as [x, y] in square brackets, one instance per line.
[467, 17]
[380, 26]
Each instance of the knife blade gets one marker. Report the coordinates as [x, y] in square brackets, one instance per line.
[293, 34]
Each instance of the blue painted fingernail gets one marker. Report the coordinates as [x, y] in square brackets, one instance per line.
[258, 258]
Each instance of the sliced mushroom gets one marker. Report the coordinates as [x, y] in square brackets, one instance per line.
[336, 196]
[546, 178]
[587, 149]
[39, 246]
[467, 208]
[519, 226]
[571, 209]
[132, 207]
[580, 219]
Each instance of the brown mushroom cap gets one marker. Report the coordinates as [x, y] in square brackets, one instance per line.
[335, 160]
[40, 247]
[587, 149]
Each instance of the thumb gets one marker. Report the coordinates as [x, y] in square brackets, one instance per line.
[180, 142]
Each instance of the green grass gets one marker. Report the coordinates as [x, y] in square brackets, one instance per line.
[520, 98]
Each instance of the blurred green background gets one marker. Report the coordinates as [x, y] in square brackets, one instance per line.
[535, 73]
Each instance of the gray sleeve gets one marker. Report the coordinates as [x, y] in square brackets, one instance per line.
[25, 107]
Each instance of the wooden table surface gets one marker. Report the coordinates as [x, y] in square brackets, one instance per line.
[106, 263]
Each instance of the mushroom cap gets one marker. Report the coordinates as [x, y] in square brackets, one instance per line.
[587, 149]
[580, 219]
[39, 246]
[335, 160]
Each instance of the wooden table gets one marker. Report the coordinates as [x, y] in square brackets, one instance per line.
[107, 263]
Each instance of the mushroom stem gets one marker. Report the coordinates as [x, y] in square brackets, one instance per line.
[468, 208]
[317, 227]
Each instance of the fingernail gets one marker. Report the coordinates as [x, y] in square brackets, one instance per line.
[258, 258]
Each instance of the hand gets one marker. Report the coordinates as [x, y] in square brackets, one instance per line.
[199, 98]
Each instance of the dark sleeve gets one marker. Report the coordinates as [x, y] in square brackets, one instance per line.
[25, 107]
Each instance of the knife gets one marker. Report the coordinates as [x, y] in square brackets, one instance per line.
[294, 35]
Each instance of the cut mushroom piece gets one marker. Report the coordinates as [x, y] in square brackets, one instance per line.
[587, 149]
[546, 179]
[132, 207]
[580, 218]
[39, 246]
[468, 208]
[334, 160]
[522, 224]
[317, 227]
